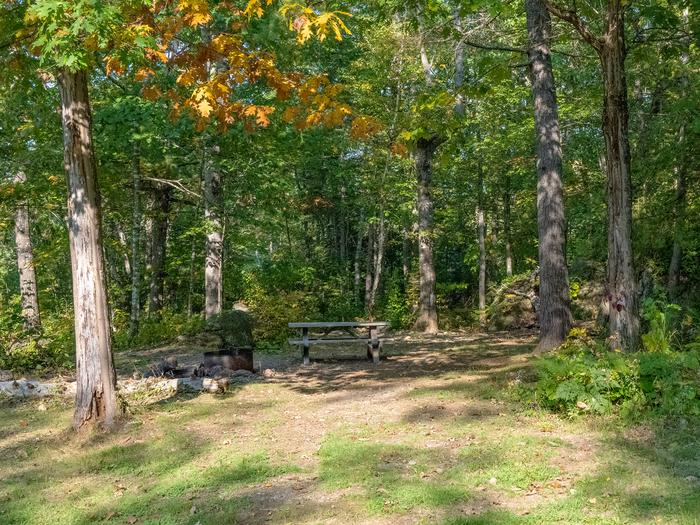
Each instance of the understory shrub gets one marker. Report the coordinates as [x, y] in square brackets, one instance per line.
[49, 349]
[584, 377]
[156, 330]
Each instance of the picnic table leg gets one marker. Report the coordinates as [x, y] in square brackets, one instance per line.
[305, 341]
[374, 344]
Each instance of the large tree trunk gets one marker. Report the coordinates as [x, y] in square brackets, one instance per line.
[96, 389]
[214, 247]
[159, 237]
[622, 285]
[25, 264]
[554, 312]
[427, 320]
[135, 316]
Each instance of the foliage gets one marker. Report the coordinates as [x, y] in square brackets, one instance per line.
[583, 377]
[165, 328]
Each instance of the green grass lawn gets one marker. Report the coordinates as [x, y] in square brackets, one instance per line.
[431, 450]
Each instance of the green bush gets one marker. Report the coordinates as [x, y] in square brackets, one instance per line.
[583, 377]
[158, 330]
[51, 348]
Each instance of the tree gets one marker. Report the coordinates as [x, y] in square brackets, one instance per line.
[25, 264]
[622, 301]
[554, 313]
[96, 384]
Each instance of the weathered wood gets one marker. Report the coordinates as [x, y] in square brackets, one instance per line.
[305, 342]
[340, 324]
[25, 263]
[321, 340]
[372, 340]
[96, 396]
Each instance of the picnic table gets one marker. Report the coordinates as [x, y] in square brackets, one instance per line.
[339, 332]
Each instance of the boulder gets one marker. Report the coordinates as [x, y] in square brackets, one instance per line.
[515, 304]
[234, 328]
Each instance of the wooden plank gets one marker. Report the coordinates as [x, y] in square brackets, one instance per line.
[305, 343]
[330, 341]
[339, 324]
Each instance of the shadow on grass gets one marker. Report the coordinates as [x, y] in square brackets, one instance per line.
[424, 358]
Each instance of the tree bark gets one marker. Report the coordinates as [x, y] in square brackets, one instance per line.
[358, 256]
[25, 264]
[679, 205]
[378, 260]
[214, 246]
[96, 392]
[481, 235]
[622, 302]
[368, 266]
[427, 320]
[135, 312]
[554, 311]
[506, 233]
[622, 284]
[157, 253]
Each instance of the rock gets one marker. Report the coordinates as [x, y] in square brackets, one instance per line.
[234, 327]
[23, 388]
[515, 304]
[268, 373]
[5, 375]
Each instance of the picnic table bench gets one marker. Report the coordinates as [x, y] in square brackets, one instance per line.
[328, 333]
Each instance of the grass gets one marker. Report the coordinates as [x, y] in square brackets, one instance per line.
[451, 449]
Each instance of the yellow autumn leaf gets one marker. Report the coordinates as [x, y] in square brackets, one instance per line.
[204, 108]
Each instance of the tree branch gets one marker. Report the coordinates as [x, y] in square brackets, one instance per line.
[571, 16]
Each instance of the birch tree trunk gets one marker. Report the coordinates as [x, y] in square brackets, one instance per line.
[214, 246]
[427, 320]
[135, 313]
[25, 264]
[554, 313]
[96, 388]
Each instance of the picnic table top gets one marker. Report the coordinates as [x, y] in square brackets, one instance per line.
[338, 324]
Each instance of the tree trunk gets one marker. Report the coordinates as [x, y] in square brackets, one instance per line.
[405, 259]
[378, 260]
[96, 388]
[25, 264]
[358, 256]
[214, 246]
[427, 320]
[481, 234]
[506, 234]
[674, 268]
[554, 311]
[159, 237]
[135, 243]
[368, 266]
[622, 285]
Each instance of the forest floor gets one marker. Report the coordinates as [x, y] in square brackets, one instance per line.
[431, 435]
